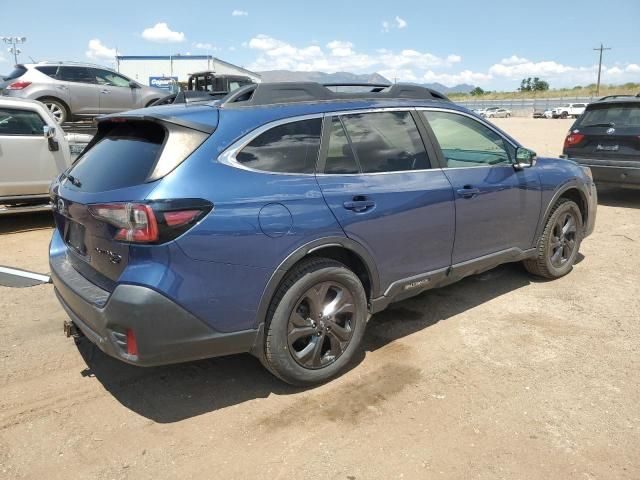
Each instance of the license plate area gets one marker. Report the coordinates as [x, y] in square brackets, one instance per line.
[75, 237]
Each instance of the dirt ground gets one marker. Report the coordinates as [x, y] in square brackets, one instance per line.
[500, 376]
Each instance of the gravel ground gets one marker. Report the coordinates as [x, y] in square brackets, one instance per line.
[498, 376]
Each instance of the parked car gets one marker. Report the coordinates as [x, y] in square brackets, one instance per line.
[483, 111]
[33, 151]
[204, 87]
[541, 113]
[74, 90]
[497, 113]
[607, 139]
[573, 110]
[277, 220]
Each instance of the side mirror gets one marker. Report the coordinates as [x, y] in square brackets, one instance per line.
[133, 84]
[525, 158]
[50, 134]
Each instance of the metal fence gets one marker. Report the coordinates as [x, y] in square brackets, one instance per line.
[524, 107]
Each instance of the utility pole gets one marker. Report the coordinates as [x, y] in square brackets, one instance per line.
[601, 49]
[13, 41]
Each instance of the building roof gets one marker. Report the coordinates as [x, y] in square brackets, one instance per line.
[184, 57]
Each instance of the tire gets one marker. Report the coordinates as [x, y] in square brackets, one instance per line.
[508, 115]
[564, 115]
[57, 108]
[303, 347]
[560, 242]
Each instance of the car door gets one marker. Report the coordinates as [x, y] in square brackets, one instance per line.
[497, 205]
[26, 163]
[116, 93]
[82, 89]
[375, 174]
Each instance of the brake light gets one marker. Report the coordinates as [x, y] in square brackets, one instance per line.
[175, 219]
[18, 85]
[135, 222]
[573, 139]
[154, 222]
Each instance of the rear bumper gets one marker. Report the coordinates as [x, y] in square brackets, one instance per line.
[606, 173]
[165, 332]
[593, 209]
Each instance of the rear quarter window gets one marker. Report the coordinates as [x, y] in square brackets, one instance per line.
[289, 148]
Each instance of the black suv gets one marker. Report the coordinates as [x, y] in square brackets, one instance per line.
[607, 139]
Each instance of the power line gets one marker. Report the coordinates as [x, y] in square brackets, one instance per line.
[601, 49]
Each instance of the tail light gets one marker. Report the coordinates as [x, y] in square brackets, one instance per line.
[18, 85]
[154, 222]
[573, 139]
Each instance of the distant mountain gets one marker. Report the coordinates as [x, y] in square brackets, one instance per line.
[321, 77]
[347, 77]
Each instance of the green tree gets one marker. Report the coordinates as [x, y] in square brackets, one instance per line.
[477, 92]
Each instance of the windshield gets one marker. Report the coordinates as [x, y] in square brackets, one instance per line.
[614, 115]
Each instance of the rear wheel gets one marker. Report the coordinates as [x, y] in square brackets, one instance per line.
[317, 319]
[560, 242]
[564, 115]
[57, 108]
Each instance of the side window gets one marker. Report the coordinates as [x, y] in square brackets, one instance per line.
[340, 158]
[20, 122]
[386, 142]
[465, 142]
[76, 74]
[50, 70]
[105, 77]
[289, 148]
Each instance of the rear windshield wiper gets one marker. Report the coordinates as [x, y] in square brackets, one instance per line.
[604, 124]
[72, 179]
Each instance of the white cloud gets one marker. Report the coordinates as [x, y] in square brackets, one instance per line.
[161, 33]
[452, 79]
[513, 60]
[400, 23]
[2, 59]
[341, 55]
[397, 22]
[239, 13]
[340, 49]
[633, 68]
[204, 46]
[385, 26]
[98, 51]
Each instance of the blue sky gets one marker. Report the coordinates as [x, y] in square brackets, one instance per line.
[492, 44]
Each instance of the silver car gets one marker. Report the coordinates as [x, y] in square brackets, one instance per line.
[75, 90]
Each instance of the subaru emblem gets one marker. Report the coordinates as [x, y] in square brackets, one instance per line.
[611, 131]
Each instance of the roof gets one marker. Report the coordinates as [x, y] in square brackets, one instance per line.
[184, 57]
[617, 99]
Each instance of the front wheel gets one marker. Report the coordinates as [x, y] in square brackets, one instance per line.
[560, 242]
[317, 320]
[57, 108]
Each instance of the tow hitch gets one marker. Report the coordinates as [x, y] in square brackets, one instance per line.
[70, 330]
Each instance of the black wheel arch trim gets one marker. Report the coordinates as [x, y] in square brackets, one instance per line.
[572, 184]
[310, 248]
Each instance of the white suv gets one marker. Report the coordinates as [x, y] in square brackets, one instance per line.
[569, 110]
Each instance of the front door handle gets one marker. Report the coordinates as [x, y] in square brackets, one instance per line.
[468, 191]
[359, 203]
[105, 91]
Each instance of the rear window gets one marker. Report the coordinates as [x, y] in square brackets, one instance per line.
[289, 148]
[18, 71]
[618, 115]
[123, 157]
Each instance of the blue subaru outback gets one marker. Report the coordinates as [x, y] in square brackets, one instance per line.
[278, 219]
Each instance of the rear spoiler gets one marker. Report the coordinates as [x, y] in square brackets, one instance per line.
[205, 121]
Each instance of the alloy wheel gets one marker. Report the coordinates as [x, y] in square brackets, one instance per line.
[321, 325]
[563, 239]
[56, 111]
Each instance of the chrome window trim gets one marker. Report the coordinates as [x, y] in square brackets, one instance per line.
[228, 157]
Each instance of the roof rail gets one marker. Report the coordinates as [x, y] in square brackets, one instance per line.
[617, 96]
[84, 64]
[298, 92]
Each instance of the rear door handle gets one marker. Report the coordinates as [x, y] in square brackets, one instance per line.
[105, 91]
[359, 204]
[468, 191]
